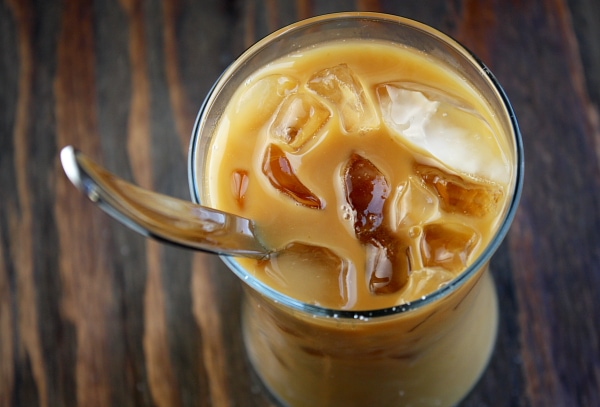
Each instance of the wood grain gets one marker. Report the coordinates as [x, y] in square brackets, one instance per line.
[92, 314]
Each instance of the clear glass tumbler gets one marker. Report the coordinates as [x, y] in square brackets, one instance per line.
[430, 352]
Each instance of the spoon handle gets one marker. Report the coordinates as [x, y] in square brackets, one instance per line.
[161, 217]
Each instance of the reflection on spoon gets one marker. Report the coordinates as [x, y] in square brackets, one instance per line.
[159, 216]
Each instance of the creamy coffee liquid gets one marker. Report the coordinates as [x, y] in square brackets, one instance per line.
[377, 175]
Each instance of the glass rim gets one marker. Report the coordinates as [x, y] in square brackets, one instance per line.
[478, 263]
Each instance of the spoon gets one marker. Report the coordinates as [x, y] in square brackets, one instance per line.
[162, 217]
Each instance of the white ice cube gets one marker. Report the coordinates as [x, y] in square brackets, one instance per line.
[445, 127]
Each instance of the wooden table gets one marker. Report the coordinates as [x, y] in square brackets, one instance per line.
[91, 314]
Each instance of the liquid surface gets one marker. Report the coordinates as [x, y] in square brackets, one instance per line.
[377, 175]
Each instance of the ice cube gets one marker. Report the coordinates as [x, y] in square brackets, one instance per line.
[458, 195]
[445, 126]
[413, 204]
[313, 273]
[259, 102]
[299, 118]
[388, 263]
[239, 186]
[425, 281]
[447, 245]
[366, 191]
[344, 90]
[278, 169]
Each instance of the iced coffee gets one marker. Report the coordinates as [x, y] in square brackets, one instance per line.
[378, 174]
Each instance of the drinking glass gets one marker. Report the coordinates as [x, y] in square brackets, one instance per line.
[429, 352]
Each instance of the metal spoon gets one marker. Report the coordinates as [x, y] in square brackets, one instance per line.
[159, 216]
